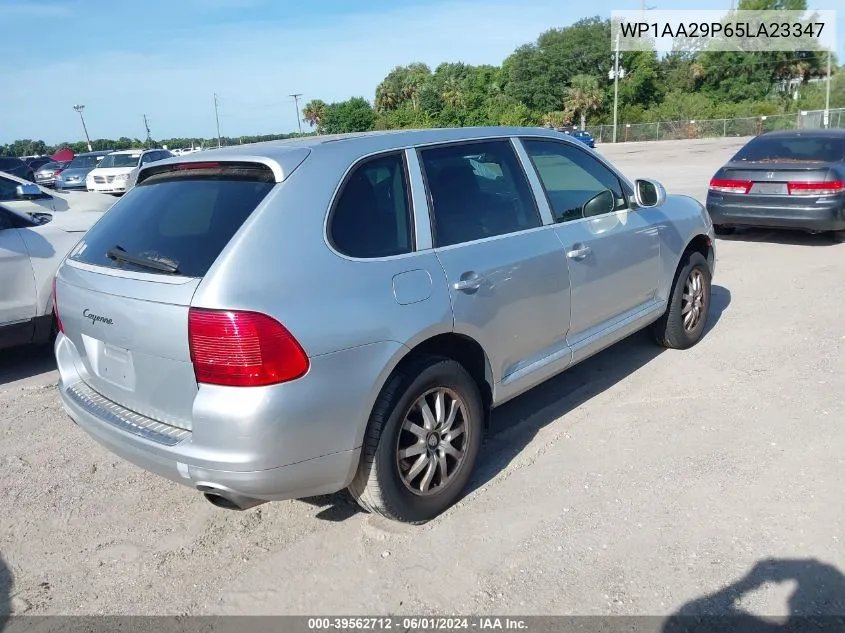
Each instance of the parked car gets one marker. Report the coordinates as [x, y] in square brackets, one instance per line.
[117, 172]
[286, 319]
[37, 162]
[16, 167]
[34, 238]
[25, 197]
[783, 180]
[73, 176]
[46, 176]
[582, 135]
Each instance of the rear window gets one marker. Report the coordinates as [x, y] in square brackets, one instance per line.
[176, 222]
[792, 149]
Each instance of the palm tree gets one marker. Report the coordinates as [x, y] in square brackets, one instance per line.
[452, 94]
[313, 112]
[583, 95]
[386, 98]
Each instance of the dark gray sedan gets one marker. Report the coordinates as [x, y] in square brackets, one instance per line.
[783, 180]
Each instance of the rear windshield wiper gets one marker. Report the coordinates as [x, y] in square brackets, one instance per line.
[118, 253]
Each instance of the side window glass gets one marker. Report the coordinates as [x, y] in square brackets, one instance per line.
[571, 178]
[371, 217]
[5, 220]
[8, 190]
[477, 190]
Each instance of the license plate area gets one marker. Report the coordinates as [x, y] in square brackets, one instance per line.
[110, 363]
[769, 188]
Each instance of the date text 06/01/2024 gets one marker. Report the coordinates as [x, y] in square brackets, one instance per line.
[415, 623]
[784, 30]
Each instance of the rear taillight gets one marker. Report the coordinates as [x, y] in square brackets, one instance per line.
[730, 186]
[59, 325]
[816, 188]
[242, 349]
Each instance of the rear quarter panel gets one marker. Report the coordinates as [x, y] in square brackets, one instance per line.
[346, 313]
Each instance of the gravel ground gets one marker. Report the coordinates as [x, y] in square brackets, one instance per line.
[636, 483]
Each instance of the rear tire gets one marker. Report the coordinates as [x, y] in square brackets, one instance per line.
[838, 237]
[721, 229]
[683, 324]
[407, 449]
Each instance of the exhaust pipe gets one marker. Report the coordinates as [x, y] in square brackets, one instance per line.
[227, 499]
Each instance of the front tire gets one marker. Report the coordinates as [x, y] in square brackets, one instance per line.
[682, 326]
[838, 237]
[422, 441]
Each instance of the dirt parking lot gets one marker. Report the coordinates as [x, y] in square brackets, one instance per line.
[637, 482]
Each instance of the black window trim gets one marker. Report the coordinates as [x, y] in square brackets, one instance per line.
[474, 141]
[341, 187]
[627, 191]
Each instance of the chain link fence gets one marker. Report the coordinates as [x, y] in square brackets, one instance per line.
[716, 128]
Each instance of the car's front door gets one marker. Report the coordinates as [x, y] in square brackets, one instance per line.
[43, 203]
[507, 274]
[613, 250]
[17, 280]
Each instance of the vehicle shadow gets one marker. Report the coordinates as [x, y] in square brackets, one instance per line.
[6, 584]
[778, 236]
[26, 361]
[514, 424]
[816, 604]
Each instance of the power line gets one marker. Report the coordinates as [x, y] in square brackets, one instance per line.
[298, 119]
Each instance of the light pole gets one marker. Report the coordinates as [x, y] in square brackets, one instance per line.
[827, 91]
[615, 84]
[296, 102]
[79, 109]
[217, 118]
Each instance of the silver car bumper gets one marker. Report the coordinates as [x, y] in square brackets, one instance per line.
[171, 453]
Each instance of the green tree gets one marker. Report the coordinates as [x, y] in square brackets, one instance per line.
[583, 96]
[314, 112]
[538, 74]
[353, 115]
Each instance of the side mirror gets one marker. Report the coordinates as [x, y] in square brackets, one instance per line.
[649, 193]
[28, 191]
[599, 204]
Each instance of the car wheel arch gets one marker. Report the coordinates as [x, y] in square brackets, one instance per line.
[459, 347]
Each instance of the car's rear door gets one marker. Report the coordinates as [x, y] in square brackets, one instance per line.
[614, 254]
[507, 274]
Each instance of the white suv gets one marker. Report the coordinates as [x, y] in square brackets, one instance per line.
[117, 172]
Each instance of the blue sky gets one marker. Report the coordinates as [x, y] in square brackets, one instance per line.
[166, 58]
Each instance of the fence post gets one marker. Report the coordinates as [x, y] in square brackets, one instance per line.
[657, 135]
[724, 128]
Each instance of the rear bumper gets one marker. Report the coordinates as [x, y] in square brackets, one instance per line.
[232, 462]
[817, 214]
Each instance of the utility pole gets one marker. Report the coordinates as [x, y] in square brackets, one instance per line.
[827, 91]
[147, 126]
[217, 118]
[298, 118]
[615, 84]
[80, 108]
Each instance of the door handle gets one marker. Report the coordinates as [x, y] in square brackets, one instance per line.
[470, 283]
[579, 253]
